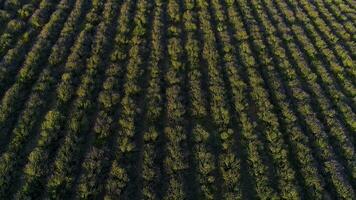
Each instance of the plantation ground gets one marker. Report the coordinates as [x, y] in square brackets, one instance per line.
[177, 99]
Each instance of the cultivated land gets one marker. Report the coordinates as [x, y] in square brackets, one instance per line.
[177, 99]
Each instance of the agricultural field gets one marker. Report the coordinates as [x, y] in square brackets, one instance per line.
[177, 99]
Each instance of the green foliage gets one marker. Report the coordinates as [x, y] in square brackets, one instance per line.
[170, 99]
